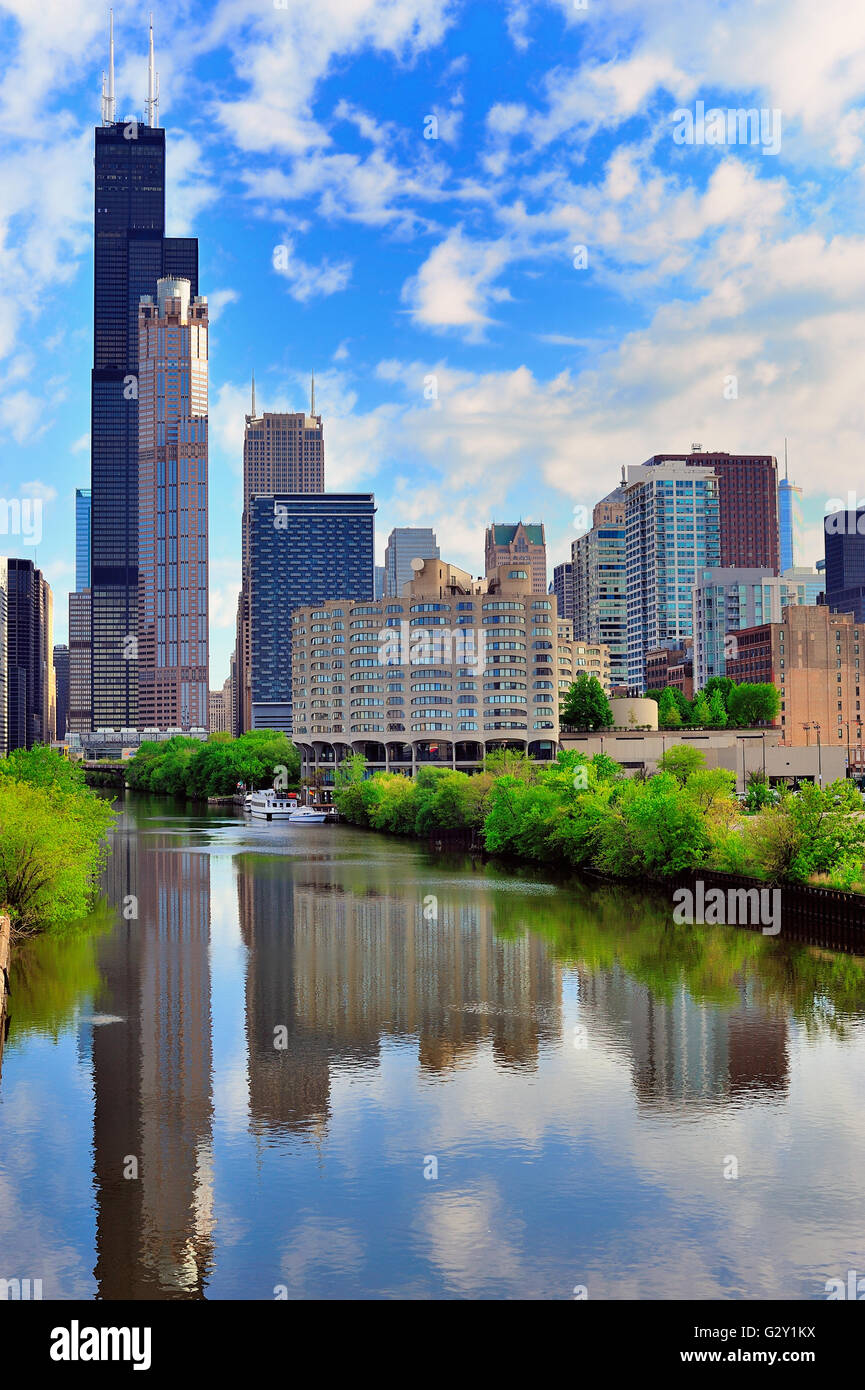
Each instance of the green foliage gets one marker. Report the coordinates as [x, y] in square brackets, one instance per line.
[655, 831]
[753, 703]
[52, 840]
[586, 706]
[669, 716]
[187, 767]
[682, 760]
[348, 789]
[759, 793]
[701, 713]
[722, 685]
[717, 710]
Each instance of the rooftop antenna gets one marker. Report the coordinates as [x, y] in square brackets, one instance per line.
[312, 395]
[109, 105]
[104, 96]
[785, 457]
[253, 393]
[152, 85]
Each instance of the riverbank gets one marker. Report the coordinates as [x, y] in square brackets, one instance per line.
[587, 815]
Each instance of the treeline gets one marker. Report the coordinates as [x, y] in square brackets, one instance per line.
[720, 703]
[189, 768]
[53, 832]
[587, 813]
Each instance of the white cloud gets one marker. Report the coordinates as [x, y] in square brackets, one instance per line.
[219, 300]
[455, 284]
[305, 280]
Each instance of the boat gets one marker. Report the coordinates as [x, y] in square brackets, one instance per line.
[271, 805]
[305, 815]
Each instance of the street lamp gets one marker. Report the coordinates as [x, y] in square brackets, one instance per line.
[816, 726]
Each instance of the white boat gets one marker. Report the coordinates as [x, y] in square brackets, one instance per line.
[305, 815]
[271, 805]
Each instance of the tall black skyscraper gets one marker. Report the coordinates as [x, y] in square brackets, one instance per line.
[844, 543]
[131, 253]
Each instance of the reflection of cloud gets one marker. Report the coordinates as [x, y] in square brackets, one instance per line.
[474, 1238]
[320, 1245]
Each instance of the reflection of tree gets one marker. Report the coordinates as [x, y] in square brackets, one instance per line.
[53, 973]
[598, 927]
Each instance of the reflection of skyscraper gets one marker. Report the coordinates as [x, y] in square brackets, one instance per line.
[152, 1076]
[683, 1051]
[340, 966]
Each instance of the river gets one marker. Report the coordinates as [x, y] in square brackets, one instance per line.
[323, 1063]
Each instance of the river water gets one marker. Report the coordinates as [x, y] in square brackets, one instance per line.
[325, 1063]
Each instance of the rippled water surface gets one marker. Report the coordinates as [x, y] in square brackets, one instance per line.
[327, 1063]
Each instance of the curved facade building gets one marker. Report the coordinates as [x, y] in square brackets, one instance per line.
[453, 669]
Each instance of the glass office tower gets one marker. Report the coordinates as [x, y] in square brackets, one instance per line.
[131, 252]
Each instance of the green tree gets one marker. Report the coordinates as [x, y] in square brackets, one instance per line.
[749, 704]
[681, 761]
[348, 781]
[701, 713]
[585, 705]
[668, 710]
[717, 710]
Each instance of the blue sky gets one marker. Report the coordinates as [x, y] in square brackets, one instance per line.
[408, 258]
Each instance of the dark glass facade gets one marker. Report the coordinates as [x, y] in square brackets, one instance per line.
[844, 540]
[304, 549]
[27, 694]
[131, 252]
[61, 676]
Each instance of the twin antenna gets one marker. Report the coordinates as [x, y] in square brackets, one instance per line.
[109, 105]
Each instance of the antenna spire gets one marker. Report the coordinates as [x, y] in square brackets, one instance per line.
[253, 393]
[152, 85]
[109, 105]
[312, 394]
[785, 457]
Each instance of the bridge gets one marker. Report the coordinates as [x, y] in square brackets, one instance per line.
[98, 772]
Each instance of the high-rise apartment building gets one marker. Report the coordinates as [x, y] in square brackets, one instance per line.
[598, 582]
[450, 670]
[803, 585]
[671, 519]
[30, 684]
[218, 715]
[726, 600]
[304, 549]
[813, 656]
[61, 679]
[282, 453]
[523, 543]
[172, 508]
[404, 544]
[747, 504]
[563, 588]
[131, 252]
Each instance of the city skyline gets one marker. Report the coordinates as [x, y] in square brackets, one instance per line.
[429, 301]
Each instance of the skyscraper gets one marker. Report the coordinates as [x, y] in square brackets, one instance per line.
[82, 538]
[726, 600]
[598, 583]
[671, 518]
[30, 685]
[303, 550]
[172, 508]
[79, 714]
[61, 677]
[404, 544]
[844, 541]
[789, 521]
[523, 543]
[4, 651]
[563, 588]
[131, 252]
[282, 453]
[747, 504]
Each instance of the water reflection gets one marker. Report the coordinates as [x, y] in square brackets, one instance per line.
[279, 1026]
